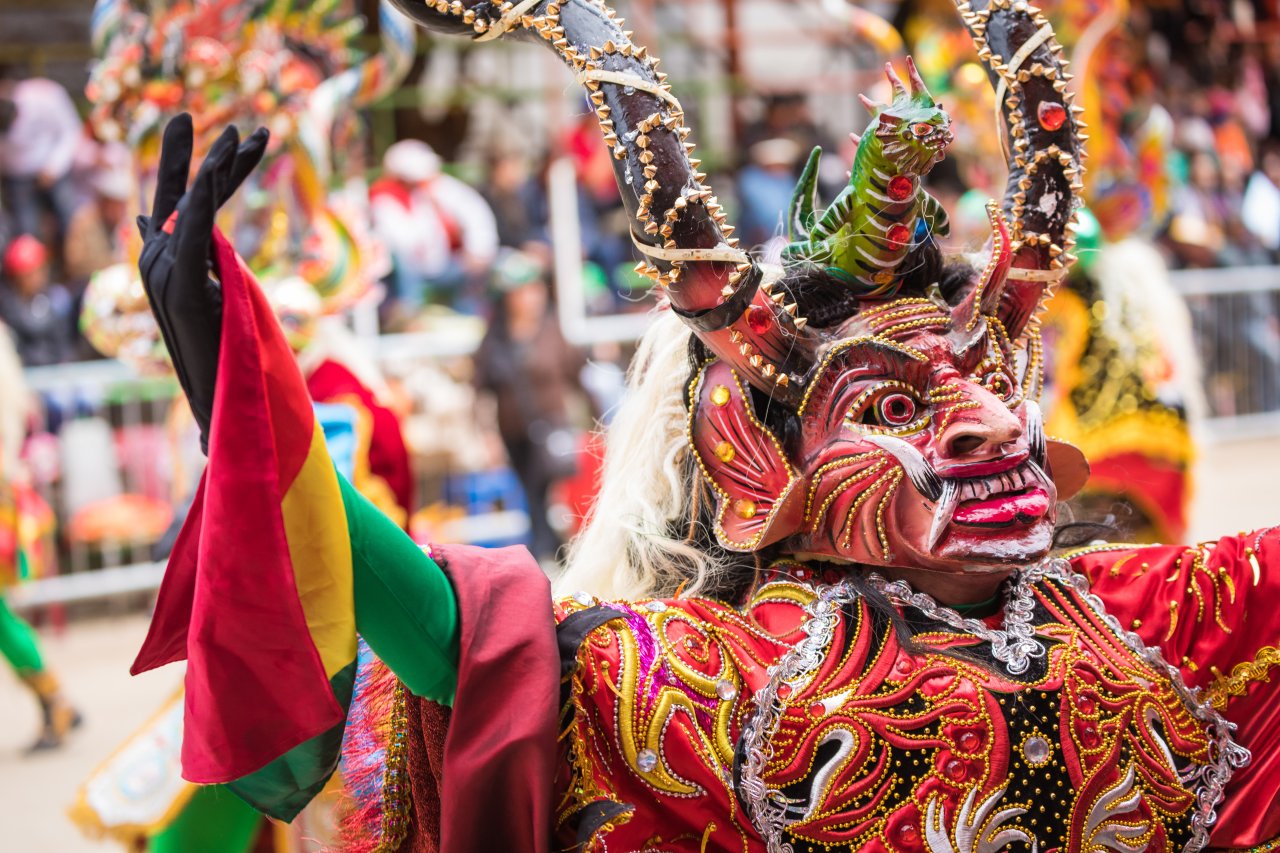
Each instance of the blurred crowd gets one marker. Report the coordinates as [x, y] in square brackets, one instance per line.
[66, 197]
[1224, 98]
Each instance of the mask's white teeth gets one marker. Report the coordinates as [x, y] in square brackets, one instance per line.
[943, 511]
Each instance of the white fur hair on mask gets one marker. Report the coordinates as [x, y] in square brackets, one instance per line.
[626, 550]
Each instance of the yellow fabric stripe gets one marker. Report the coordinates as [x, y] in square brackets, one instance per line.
[315, 524]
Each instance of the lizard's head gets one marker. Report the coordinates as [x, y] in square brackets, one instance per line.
[914, 130]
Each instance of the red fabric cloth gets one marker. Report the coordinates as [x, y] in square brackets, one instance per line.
[388, 456]
[229, 603]
[497, 780]
[1158, 487]
[1193, 603]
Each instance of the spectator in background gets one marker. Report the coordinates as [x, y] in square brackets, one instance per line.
[533, 372]
[518, 201]
[1197, 232]
[765, 186]
[40, 132]
[95, 238]
[39, 314]
[1261, 209]
[440, 232]
[787, 116]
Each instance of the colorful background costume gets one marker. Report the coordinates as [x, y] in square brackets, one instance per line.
[301, 71]
[25, 523]
[845, 429]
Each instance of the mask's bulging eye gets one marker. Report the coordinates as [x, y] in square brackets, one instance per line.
[999, 383]
[896, 410]
[891, 407]
[922, 129]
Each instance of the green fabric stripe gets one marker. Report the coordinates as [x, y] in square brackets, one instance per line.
[406, 609]
[18, 642]
[213, 821]
[283, 788]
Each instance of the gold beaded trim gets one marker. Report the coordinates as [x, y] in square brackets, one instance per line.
[1242, 674]
[395, 780]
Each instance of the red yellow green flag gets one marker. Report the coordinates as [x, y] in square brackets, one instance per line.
[258, 593]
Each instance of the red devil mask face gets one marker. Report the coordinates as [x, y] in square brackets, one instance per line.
[916, 446]
[920, 449]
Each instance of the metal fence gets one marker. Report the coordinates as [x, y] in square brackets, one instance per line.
[1235, 317]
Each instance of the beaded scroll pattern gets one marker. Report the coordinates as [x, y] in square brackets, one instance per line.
[855, 742]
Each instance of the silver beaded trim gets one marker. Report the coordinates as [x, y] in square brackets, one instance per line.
[770, 809]
[1014, 645]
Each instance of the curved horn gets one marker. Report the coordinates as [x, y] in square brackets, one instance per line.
[676, 220]
[1044, 146]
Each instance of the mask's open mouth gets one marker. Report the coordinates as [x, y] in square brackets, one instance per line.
[1018, 496]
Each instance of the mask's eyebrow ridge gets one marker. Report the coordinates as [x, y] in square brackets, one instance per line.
[911, 364]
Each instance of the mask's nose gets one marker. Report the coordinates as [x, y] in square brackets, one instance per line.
[984, 431]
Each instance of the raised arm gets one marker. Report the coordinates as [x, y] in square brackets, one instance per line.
[280, 561]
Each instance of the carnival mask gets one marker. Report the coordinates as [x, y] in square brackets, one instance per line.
[912, 435]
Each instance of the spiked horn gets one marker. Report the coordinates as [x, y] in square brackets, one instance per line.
[677, 223]
[1044, 145]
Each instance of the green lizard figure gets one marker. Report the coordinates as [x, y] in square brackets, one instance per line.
[875, 221]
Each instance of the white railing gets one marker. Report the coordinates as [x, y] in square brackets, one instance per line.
[1235, 315]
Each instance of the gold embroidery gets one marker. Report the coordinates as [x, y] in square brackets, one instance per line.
[1225, 686]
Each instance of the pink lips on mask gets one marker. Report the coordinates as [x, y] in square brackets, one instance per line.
[1003, 509]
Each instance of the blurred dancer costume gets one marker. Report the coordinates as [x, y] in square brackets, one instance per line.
[25, 520]
[315, 260]
[532, 372]
[750, 667]
[1122, 380]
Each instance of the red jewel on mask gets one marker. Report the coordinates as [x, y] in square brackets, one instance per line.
[1051, 114]
[970, 741]
[758, 319]
[1089, 737]
[901, 187]
[897, 410]
[898, 235]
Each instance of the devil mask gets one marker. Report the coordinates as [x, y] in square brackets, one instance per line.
[908, 379]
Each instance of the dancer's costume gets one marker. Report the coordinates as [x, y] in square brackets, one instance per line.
[865, 412]
[301, 70]
[25, 522]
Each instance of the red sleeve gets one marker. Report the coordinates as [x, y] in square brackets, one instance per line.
[1194, 603]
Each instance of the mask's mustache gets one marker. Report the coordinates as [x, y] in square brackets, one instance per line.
[920, 472]
[944, 492]
[1036, 441]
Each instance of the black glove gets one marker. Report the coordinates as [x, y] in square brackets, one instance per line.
[175, 267]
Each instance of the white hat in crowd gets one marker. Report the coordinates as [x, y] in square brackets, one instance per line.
[115, 184]
[411, 160]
